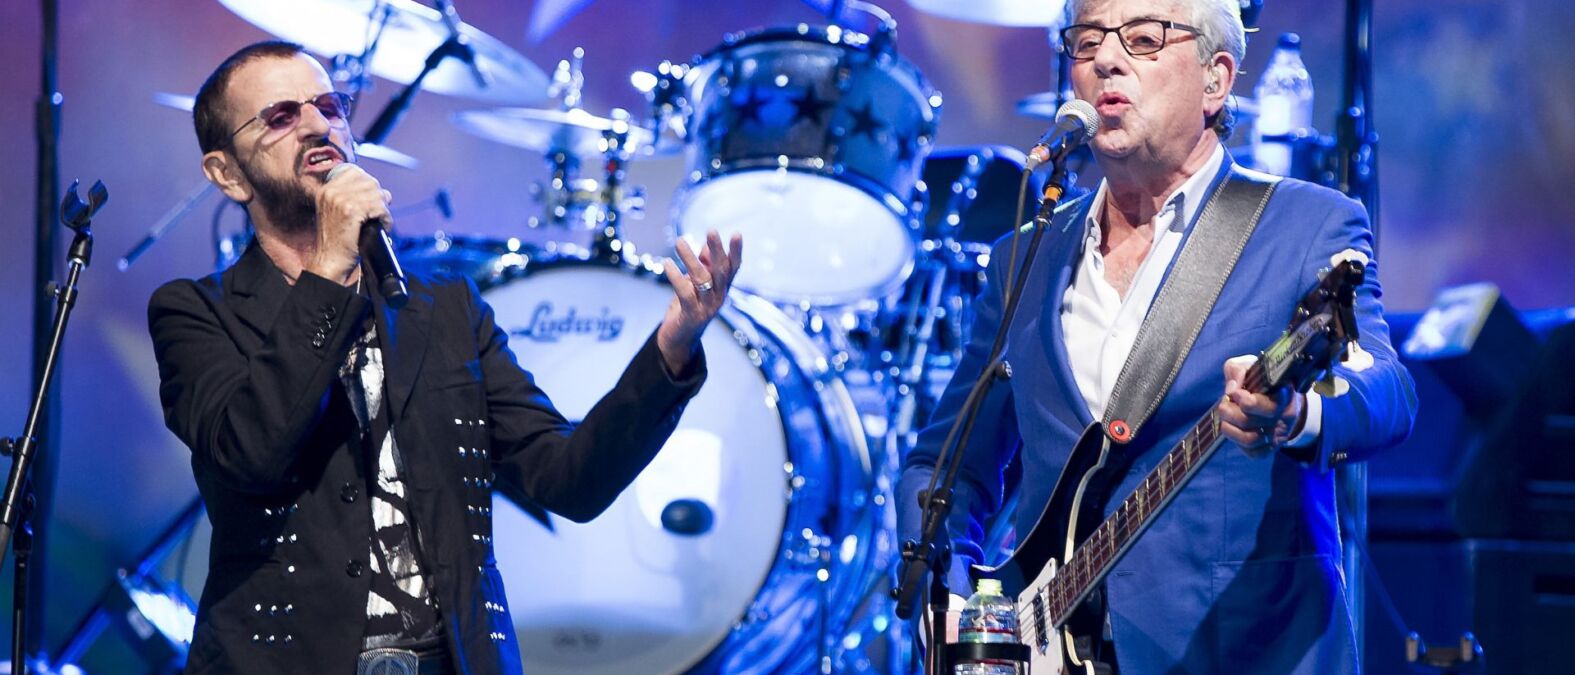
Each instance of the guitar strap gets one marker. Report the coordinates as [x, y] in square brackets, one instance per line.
[1185, 300]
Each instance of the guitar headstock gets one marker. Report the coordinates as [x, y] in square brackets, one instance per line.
[1322, 328]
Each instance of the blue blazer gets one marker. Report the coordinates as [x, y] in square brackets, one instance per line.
[1242, 572]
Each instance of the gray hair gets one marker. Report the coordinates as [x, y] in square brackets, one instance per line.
[1219, 30]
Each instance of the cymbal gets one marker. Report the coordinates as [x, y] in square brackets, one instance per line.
[381, 153]
[1044, 104]
[1015, 13]
[412, 31]
[546, 131]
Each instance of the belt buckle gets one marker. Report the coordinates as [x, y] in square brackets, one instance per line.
[387, 661]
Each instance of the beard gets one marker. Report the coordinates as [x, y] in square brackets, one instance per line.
[287, 204]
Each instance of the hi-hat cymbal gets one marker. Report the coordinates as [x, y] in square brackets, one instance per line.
[1017, 13]
[381, 153]
[412, 31]
[574, 131]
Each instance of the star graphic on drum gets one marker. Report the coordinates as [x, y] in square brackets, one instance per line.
[749, 108]
[864, 122]
[809, 106]
[906, 150]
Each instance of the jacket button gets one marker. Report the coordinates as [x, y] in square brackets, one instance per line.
[354, 568]
[349, 492]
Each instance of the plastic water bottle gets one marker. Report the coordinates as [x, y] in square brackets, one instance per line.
[988, 617]
[1285, 103]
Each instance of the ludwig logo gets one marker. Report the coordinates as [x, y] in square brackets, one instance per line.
[544, 326]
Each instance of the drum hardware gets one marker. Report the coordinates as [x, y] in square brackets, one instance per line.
[916, 331]
[566, 136]
[667, 107]
[439, 201]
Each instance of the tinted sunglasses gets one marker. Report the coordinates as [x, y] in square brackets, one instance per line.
[282, 116]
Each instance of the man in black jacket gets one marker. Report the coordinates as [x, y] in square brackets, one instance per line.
[346, 450]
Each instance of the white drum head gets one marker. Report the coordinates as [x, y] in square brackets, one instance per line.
[807, 238]
[621, 594]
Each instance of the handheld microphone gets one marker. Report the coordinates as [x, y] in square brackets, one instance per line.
[378, 252]
[1076, 122]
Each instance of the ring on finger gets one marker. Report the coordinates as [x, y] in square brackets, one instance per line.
[703, 287]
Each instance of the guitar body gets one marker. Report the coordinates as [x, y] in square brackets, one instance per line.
[1075, 509]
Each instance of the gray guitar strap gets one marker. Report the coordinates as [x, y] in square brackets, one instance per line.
[1184, 302]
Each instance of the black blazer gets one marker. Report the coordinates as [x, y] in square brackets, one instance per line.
[248, 369]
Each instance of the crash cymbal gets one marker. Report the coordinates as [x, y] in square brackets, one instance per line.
[381, 153]
[410, 32]
[1044, 104]
[574, 131]
[1017, 13]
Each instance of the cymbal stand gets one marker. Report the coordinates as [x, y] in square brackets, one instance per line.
[457, 47]
[351, 68]
[562, 195]
[923, 309]
[609, 243]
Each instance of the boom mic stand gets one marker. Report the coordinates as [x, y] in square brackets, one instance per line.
[17, 504]
[931, 554]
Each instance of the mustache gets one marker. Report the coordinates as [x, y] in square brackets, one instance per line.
[321, 142]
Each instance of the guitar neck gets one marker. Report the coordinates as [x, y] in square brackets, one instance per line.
[1098, 553]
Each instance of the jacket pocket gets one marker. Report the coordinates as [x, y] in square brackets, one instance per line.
[1279, 615]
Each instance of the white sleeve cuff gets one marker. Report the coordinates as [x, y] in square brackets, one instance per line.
[1312, 426]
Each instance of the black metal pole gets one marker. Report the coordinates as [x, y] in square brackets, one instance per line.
[47, 127]
[1356, 142]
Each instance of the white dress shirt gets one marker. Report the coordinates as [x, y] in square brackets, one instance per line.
[1101, 327]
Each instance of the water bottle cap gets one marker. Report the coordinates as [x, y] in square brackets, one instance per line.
[1290, 41]
[990, 586]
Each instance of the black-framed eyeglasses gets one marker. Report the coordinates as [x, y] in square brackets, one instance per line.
[1139, 37]
[281, 116]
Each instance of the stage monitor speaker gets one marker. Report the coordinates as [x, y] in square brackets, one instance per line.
[1492, 453]
[1477, 345]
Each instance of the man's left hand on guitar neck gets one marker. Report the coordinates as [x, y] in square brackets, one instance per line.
[1259, 423]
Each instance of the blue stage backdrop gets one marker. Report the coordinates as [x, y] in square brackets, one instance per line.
[1474, 100]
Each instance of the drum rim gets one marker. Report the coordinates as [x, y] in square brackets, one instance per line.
[799, 32]
[703, 64]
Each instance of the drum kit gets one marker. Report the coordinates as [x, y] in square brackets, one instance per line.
[760, 538]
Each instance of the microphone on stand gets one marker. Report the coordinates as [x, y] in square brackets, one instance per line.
[378, 252]
[1076, 122]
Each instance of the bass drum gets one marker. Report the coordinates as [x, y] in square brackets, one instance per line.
[749, 534]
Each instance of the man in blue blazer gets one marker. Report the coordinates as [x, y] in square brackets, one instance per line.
[1242, 572]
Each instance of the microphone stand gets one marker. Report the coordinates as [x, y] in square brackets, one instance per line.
[931, 554]
[17, 504]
